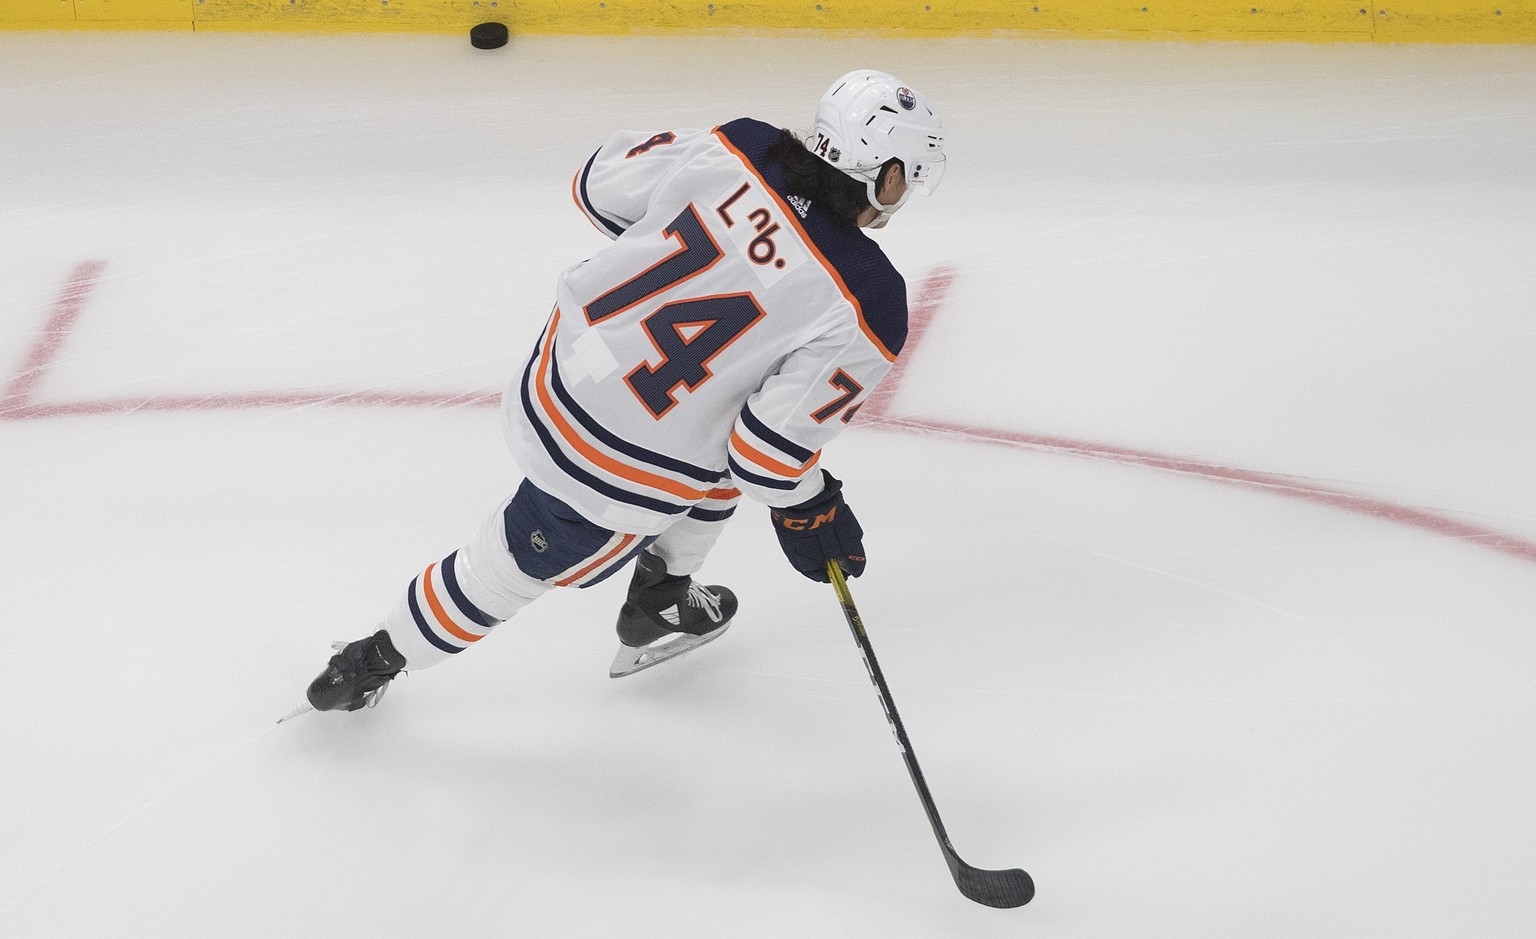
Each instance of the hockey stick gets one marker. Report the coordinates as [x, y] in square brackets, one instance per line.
[1001, 889]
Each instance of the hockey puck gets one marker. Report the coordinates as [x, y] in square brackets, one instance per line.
[488, 36]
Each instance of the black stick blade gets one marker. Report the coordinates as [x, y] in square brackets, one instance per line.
[1001, 889]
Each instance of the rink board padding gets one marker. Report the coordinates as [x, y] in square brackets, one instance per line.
[1251, 20]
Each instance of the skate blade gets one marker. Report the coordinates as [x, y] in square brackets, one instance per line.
[630, 659]
[302, 709]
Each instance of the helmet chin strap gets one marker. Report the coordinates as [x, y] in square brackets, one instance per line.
[886, 211]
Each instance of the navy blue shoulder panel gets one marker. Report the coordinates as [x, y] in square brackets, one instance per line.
[859, 261]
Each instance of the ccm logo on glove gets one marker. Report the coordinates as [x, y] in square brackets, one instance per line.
[805, 524]
[819, 530]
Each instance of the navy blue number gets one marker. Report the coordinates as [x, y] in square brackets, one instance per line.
[696, 254]
[849, 389]
[688, 334]
[665, 137]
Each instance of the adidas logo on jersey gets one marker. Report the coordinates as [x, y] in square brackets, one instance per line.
[802, 206]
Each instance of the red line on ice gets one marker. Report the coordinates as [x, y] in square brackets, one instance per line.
[45, 348]
[1290, 487]
[931, 295]
[257, 399]
[16, 403]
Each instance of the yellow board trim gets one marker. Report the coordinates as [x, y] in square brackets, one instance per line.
[1253, 20]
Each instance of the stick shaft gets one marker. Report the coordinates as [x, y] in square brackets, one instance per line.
[1003, 889]
[860, 636]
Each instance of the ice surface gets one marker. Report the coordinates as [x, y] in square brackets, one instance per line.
[1189, 708]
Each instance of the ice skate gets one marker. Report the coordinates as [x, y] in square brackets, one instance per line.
[666, 615]
[357, 674]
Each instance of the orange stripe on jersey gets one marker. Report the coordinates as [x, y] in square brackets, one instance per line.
[723, 494]
[623, 544]
[443, 619]
[595, 456]
[794, 220]
[769, 463]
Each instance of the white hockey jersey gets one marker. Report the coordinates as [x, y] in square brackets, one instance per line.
[725, 337]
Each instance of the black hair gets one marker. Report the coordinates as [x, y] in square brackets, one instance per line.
[810, 177]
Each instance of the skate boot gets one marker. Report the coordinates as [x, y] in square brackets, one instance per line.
[666, 615]
[357, 674]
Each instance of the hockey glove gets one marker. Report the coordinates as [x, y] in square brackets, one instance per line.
[820, 530]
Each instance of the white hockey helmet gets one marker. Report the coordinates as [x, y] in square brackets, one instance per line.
[867, 118]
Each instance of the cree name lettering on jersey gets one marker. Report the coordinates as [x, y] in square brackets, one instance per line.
[754, 222]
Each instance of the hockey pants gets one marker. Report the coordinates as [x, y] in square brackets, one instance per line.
[532, 542]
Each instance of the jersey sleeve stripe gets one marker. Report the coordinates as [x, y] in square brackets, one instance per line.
[575, 472]
[584, 202]
[764, 461]
[794, 220]
[578, 443]
[765, 482]
[774, 439]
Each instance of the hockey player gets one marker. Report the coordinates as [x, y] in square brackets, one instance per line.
[735, 325]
